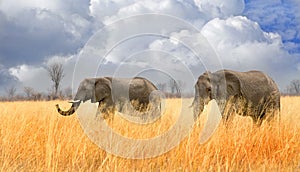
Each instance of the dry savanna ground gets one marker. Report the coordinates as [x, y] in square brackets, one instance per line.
[34, 137]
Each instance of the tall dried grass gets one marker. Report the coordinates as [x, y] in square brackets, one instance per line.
[34, 137]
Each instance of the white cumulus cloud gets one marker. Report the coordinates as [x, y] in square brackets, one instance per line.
[242, 45]
[220, 8]
[109, 11]
[31, 76]
[57, 31]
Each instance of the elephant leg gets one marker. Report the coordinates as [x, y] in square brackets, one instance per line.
[277, 115]
[107, 113]
[121, 105]
[267, 113]
[107, 108]
[197, 108]
[157, 110]
[273, 115]
[258, 120]
[228, 115]
[196, 112]
[139, 105]
[151, 111]
[101, 109]
[229, 110]
[264, 111]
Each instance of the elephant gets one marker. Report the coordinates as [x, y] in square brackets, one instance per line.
[250, 93]
[110, 91]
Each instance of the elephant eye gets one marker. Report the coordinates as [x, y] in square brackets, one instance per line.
[208, 89]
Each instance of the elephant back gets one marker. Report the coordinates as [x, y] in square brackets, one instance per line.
[256, 86]
[140, 89]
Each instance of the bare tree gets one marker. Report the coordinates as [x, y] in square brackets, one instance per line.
[180, 85]
[294, 87]
[162, 86]
[175, 86]
[56, 73]
[29, 91]
[172, 85]
[37, 96]
[11, 92]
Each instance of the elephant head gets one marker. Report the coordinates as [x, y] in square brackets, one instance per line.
[94, 89]
[218, 86]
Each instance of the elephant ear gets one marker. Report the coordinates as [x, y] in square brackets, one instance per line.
[252, 84]
[233, 83]
[102, 88]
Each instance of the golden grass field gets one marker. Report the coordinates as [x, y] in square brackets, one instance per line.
[34, 137]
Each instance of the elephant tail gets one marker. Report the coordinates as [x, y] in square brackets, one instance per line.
[68, 112]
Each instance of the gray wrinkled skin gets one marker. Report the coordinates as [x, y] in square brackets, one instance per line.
[251, 93]
[110, 91]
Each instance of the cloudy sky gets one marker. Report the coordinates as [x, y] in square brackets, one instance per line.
[167, 38]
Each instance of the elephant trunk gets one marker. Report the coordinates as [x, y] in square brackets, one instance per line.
[198, 108]
[221, 104]
[69, 112]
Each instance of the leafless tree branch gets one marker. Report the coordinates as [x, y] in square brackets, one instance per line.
[56, 74]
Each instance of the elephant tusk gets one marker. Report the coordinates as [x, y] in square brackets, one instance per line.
[213, 120]
[74, 101]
